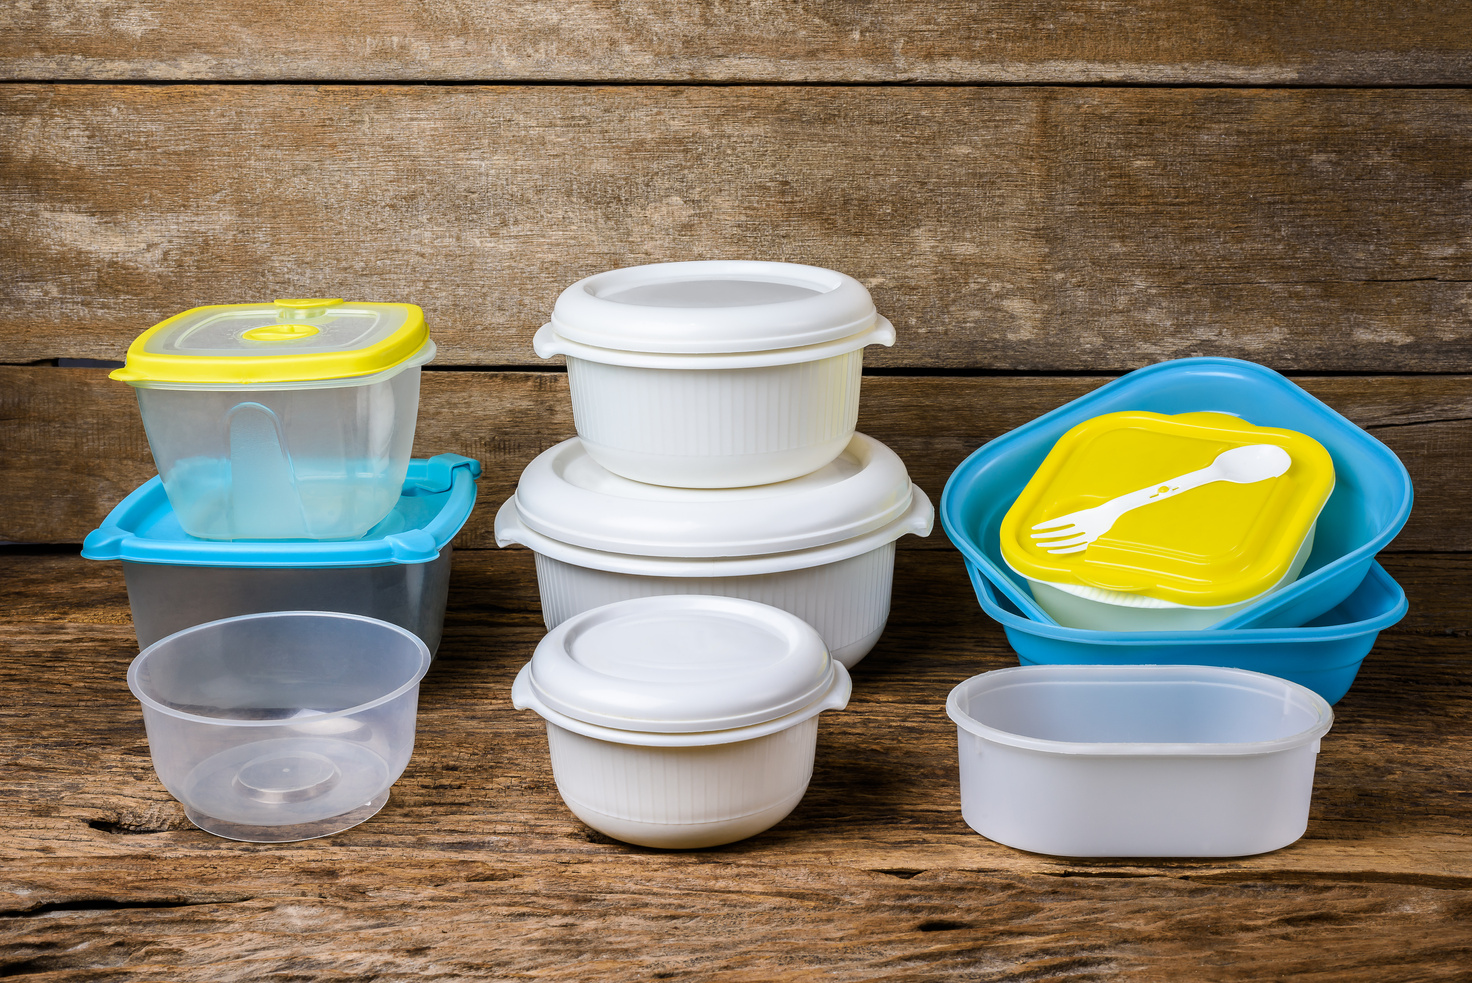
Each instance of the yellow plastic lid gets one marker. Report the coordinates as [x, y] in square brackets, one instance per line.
[282, 342]
[1165, 526]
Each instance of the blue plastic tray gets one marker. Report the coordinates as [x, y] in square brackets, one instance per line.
[1370, 504]
[1324, 655]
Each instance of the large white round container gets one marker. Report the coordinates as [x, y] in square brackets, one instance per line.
[681, 721]
[291, 420]
[820, 546]
[714, 374]
[1137, 761]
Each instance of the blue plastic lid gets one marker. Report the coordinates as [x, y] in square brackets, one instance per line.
[437, 498]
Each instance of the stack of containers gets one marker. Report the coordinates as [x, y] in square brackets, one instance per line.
[282, 436]
[1195, 532]
[715, 405]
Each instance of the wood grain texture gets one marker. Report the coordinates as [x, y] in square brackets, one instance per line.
[475, 870]
[1156, 41]
[1000, 228]
[73, 445]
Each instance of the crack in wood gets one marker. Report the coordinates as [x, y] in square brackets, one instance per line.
[112, 904]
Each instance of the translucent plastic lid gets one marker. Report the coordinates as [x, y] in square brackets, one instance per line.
[567, 496]
[1200, 508]
[711, 307]
[284, 341]
[681, 664]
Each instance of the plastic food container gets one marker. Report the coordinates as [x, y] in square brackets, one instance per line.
[1325, 655]
[290, 420]
[714, 374]
[282, 726]
[682, 721]
[399, 572]
[1137, 761]
[820, 546]
[1370, 503]
[1138, 521]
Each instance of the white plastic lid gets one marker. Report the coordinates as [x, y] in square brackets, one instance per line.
[712, 307]
[567, 496]
[680, 663]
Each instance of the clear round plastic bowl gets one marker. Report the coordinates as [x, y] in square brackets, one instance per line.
[283, 726]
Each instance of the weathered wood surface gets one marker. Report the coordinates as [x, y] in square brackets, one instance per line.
[73, 445]
[1000, 228]
[1156, 41]
[475, 870]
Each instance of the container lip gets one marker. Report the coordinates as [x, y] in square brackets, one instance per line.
[959, 486]
[510, 529]
[763, 305]
[1208, 637]
[547, 343]
[565, 495]
[148, 701]
[1212, 675]
[835, 697]
[142, 528]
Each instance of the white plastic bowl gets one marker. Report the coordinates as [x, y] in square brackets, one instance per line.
[282, 726]
[714, 374]
[821, 546]
[681, 722]
[1077, 606]
[1137, 761]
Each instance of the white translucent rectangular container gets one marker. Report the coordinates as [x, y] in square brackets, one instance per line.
[1137, 761]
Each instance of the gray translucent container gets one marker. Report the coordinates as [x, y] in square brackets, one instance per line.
[399, 572]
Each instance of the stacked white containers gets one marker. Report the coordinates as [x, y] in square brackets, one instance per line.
[715, 405]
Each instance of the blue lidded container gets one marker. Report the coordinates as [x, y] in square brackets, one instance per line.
[398, 572]
[1370, 503]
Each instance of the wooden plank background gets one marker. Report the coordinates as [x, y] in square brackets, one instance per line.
[1040, 196]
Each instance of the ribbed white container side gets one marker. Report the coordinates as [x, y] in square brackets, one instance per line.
[681, 786]
[847, 601]
[716, 427]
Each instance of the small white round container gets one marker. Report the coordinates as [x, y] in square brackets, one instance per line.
[290, 420]
[1137, 761]
[682, 721]
[820, 546]
[714, 374]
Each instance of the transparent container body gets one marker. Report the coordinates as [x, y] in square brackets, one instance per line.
[282, 726]
[324, 462]
[1137, 761]
[166, 598]
[716, 428]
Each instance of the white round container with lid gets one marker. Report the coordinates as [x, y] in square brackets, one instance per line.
[289, 420]
[682, 721]
[820, 546]
[714, 374]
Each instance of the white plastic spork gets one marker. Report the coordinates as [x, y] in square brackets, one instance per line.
[1074, 532]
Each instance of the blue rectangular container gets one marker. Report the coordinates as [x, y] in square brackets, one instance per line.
[1370, 503]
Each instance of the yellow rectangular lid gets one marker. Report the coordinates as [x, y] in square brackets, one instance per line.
[282, 342]
[1200, 508]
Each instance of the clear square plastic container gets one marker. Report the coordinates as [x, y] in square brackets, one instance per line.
[291, 420]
